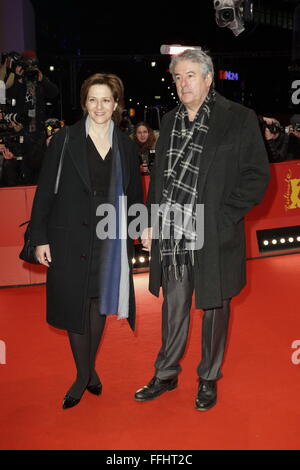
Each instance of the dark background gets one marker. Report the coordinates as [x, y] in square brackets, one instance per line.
[124, 38]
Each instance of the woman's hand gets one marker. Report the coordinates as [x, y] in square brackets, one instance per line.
[42, 252]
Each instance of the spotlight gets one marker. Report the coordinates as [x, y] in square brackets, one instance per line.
[278, 239]
[141, 259]
[175, 49]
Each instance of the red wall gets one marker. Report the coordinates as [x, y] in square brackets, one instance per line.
[280, 206]
[15, 207]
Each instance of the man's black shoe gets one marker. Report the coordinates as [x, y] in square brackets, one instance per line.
[207, 395]
[155, 388]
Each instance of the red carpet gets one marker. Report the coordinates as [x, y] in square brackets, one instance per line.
[258, 404]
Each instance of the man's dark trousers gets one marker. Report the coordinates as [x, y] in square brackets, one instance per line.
[175, 325]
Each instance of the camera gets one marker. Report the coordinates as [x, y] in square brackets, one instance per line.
[16, 118]
[30, 74]
[229, 13]
[225, 12]
[15, 60]
[14, 143]
[7, 116]
[296, 127]
[274, 127]
[52, 124]
[12, 139]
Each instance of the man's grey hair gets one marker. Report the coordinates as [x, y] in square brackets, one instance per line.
[194, 55]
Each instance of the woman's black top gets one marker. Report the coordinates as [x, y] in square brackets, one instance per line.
[100, 173]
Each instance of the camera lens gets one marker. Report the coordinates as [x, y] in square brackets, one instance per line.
[227, 14]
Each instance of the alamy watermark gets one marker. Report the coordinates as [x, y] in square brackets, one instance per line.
[296, 354]
[185, 223]
[2, 352]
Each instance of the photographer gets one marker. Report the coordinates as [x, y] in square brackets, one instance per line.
[9, 167]
[11, 145]
[293, 148]
[36, 157]
[276, 140]
[6, 74]
[6, 153]
[31, 89]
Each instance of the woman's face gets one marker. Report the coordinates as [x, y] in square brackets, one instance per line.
[100, 104]
[142, 134]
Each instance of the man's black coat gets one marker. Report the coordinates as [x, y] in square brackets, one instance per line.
[65, 221]
[233, 176]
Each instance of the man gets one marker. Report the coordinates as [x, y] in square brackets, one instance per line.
[9, 161]
[31, 90]
[276, 140]
[211, 152]
[282, 146]
[293, 149]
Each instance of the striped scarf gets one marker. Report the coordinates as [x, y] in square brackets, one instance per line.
[177, 213]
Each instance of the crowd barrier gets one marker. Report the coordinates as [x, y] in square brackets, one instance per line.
[15, 208]
[279, 208]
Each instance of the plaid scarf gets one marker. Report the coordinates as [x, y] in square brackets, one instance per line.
[177, 213]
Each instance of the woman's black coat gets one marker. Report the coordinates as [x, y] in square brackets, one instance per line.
[65, 221]
[233, 175]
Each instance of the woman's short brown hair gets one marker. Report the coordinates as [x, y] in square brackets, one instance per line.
[117, 90]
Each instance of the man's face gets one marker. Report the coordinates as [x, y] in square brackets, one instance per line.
[192, 88]
[294, 131]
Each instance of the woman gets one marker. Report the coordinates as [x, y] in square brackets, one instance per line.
[145, 138]
[88, 277]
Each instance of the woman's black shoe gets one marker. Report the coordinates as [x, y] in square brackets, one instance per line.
[95, 389]
[69, 402]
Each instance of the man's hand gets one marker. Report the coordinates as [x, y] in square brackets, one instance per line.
[40, 78]
[16, 127]
[48, 140]
[147, 238]
[43, 254]
[268, 133]
[5, 152]
[19, 70]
